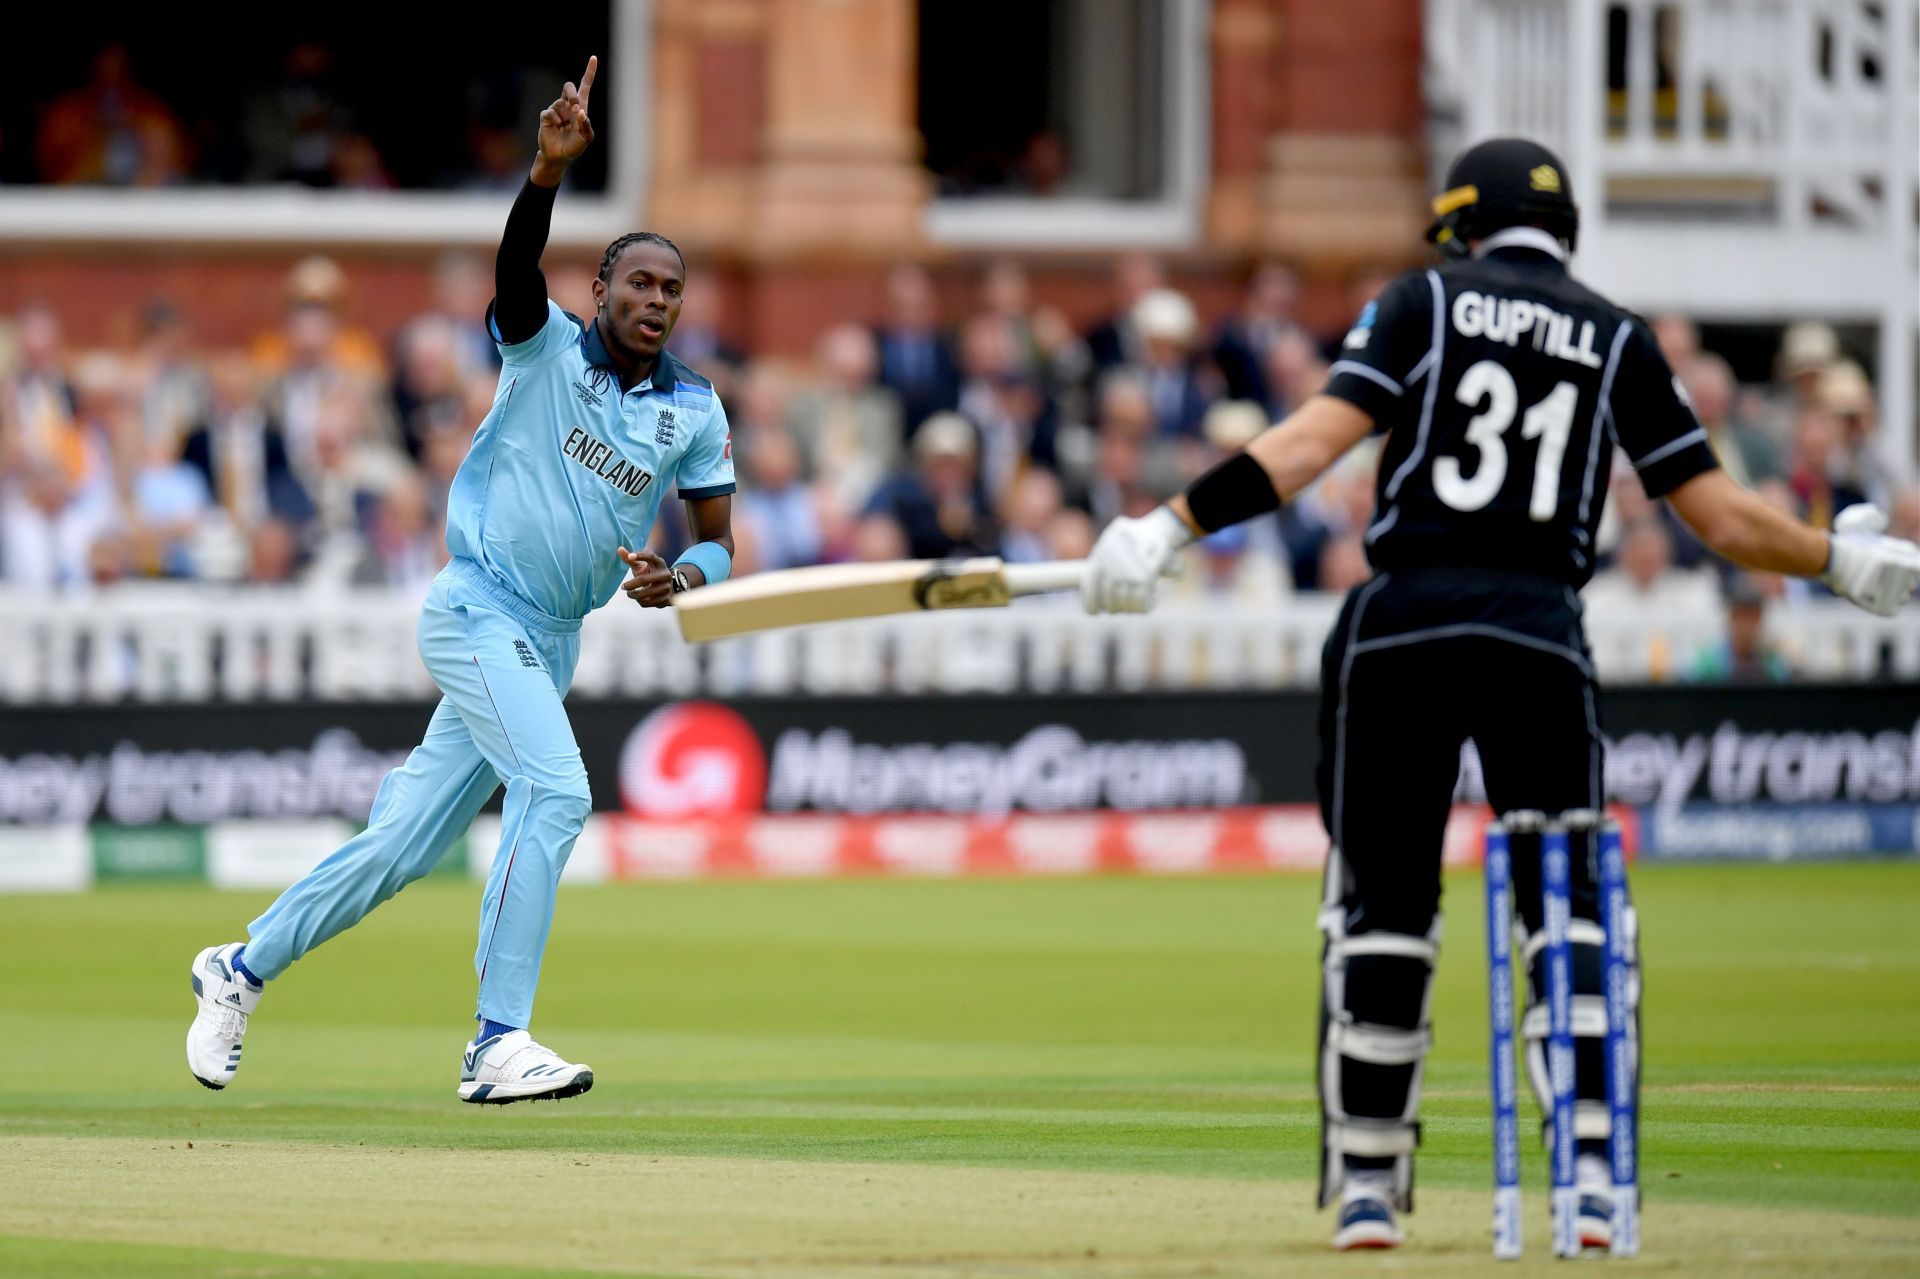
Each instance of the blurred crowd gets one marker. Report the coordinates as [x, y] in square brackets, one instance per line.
[1808, 441]
[319, 454]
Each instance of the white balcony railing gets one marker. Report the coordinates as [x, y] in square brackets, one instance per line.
[195, 645]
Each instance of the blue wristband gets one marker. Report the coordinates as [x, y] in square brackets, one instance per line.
[710, 558]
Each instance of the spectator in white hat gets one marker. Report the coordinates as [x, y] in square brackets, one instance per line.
[1859, 464]
[1806, 351]
[1168, 327]
[937, 502]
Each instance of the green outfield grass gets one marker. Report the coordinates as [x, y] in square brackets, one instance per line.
[1100, 1077]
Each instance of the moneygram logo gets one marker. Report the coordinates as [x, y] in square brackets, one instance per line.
[1048, 769]
[692, 759]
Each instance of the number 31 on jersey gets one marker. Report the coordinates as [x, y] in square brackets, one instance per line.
[1550, 421]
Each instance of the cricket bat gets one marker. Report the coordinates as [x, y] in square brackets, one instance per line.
[838, 592]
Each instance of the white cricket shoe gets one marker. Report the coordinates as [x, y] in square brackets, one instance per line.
[1594, 1217]
[1366, 1215]
[226, 1001]
[512, 1067]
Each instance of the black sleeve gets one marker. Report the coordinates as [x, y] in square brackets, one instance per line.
[1652, 421]
[519, 308]
[1385, 348]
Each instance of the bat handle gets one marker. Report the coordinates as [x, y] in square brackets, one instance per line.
[1037, 579]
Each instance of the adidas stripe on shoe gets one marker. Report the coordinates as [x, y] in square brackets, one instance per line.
[513, 1067]
[226, 1000]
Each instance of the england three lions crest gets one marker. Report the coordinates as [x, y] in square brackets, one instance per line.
[663, 428]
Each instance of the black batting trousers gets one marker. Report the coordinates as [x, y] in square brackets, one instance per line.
[1419, 662]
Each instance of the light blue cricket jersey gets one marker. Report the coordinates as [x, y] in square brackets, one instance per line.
[566, 468]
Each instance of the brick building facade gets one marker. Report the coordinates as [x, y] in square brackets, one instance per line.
[784, 153]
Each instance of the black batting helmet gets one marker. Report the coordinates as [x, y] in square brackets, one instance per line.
[1499, 183]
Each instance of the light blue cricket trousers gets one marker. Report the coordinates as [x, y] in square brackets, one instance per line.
[503, 667]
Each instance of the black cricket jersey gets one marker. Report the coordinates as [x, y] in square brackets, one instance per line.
[1503, 385]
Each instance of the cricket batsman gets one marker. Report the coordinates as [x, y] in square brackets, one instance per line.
[591, 423]
[1503, 386]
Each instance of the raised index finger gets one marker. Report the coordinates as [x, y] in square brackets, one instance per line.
[586, 80]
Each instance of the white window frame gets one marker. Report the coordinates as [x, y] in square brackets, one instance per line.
[231, 216]
[1175, 220]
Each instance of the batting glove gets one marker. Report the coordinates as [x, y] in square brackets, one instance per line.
[1868, 568]
[1129, 559]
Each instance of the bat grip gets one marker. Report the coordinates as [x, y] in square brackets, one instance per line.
[1037, 579]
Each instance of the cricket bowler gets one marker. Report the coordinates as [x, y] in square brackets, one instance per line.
[591, 423]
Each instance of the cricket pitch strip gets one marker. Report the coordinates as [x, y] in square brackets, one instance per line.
[403, 1211]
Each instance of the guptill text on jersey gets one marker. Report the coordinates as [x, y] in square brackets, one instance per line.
[1510, 319]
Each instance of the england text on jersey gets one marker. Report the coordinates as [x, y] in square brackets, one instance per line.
[1511, 319]
[599, 457]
